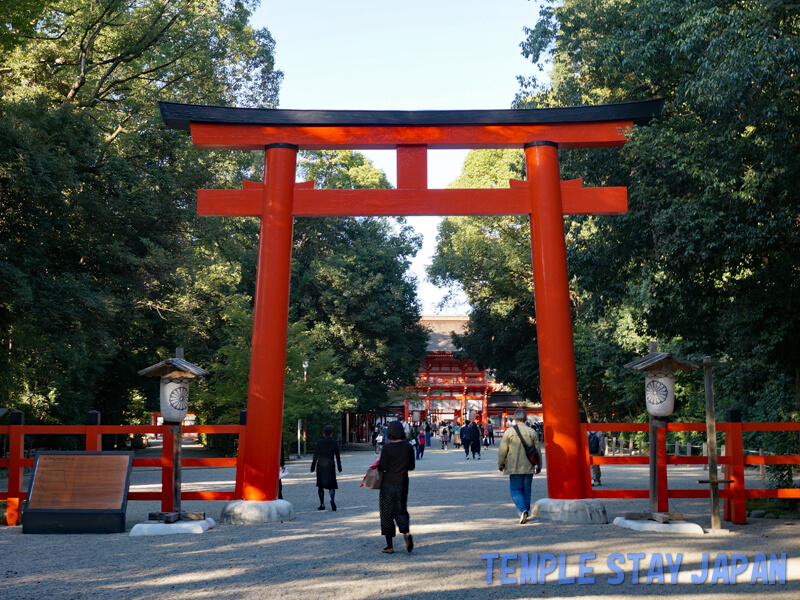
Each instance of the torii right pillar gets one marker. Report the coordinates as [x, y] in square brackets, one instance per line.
[559, 385]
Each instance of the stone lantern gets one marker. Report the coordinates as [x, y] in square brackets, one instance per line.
[659, 384]
[659, 369]
[175, 374]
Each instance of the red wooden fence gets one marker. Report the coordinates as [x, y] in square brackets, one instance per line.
[15, 461]
[734, 461]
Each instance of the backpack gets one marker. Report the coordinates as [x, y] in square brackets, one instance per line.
[594, 443]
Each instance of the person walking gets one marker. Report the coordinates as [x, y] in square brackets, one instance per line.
[513, 461]
[377, 439]
[280, 474]
[457, 436]
[466, 436]
[412, 437]
[597, 444]
[444, 436]
[325, 451]
[490, 429]
[428, 433]
[421, 442]
[397, 459]
[475, 439]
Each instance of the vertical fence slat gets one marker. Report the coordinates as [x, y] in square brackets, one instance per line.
[94, 441]
[735, 445]
[240, 455]
[16, 449]
[584, 441]
[663, 488]
[166, 469]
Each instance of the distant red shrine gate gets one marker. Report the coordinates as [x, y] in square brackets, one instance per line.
[541, 132]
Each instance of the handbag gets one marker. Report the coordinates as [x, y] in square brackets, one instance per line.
[530, 451]
[373, 478]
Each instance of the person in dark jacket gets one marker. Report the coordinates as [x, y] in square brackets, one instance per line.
[326, 449]
[466, 437]
[397, 459]
[282, 464]
[475, 439]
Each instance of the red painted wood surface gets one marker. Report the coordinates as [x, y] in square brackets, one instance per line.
[412, 167]
[216, 136]
[588, 459]
[270, 322]
[93, 438]
[562, 431]
[661, 456]
[16, 444]
[240, 457]
[413, 202]
[735, 507]
[619, 427]
[167, 467]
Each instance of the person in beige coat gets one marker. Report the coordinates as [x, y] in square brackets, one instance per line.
[512, 460]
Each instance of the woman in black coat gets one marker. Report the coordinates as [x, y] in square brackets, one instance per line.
[397, 459]
[475, 439]
[326, 449]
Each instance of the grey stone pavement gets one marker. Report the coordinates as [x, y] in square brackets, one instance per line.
[459, 510]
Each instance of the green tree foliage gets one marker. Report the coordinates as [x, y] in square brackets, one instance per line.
[87, 250]
[17, 21]
[120, 56]
[106, 268]
[100, 243]
[709, 247]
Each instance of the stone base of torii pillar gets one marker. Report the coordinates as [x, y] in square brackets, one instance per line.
[570, 511]
[256, 512]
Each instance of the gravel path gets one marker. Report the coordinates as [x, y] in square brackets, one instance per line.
[459, 510]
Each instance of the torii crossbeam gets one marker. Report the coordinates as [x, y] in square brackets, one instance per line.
[276, 200]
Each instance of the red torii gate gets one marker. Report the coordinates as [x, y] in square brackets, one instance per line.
[541, 132]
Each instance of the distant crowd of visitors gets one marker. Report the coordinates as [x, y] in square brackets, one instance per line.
[470, 436]
[400, 444]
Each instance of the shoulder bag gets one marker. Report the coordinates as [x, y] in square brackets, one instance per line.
[530, 451]
[373, 478]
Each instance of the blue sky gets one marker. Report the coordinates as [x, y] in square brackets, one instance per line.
[406, 55]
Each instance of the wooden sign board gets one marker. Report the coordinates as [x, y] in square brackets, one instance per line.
[78, 492]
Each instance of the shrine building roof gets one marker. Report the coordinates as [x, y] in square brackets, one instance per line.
[441, 328]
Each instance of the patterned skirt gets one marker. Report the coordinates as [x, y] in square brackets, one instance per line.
[393, 508]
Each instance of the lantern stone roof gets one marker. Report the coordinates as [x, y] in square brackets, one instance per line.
[440, 329]
[661, 361]
[174, 367]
